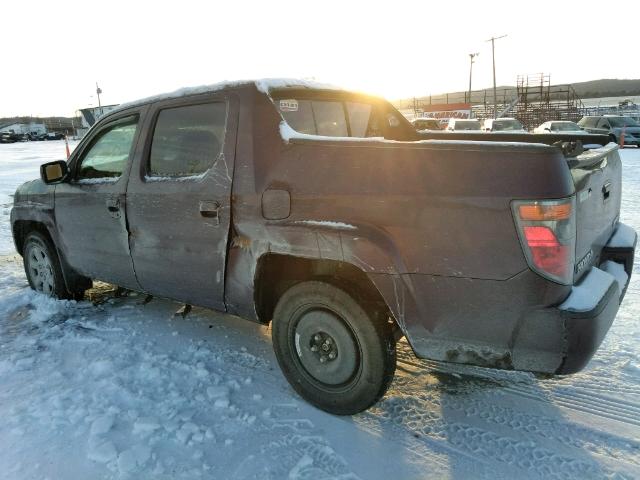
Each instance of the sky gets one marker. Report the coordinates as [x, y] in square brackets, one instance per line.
[55, 52]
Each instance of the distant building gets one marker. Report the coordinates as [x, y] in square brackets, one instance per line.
[90, 115]
[22, 128]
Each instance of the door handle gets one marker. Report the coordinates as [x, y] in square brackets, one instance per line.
[210, 209]
[113, 206]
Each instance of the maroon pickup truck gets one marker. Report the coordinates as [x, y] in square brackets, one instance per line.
[324, 212]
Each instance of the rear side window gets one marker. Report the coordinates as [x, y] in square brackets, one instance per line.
[187, 140]
[331, 118]
[109, 153]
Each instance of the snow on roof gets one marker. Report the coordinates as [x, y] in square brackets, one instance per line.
[264, 85]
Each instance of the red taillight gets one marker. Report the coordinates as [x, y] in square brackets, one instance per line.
[548, 234]
[548, 254]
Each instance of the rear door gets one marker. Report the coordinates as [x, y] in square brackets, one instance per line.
[90, 206]
[178, 199]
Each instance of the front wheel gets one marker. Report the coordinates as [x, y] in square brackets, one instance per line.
[43, 270]
[336, 355]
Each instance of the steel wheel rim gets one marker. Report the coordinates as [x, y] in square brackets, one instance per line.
[40, 270]
[335, 361]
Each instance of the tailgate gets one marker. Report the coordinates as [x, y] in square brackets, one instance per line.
[597, 176]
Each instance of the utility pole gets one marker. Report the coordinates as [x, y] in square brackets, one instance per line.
[471, 56]
[493, 55]
[99, 91]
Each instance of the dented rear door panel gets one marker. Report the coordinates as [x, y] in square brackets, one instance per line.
[179, 227]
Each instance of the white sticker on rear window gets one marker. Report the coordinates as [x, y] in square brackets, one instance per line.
[290, 105]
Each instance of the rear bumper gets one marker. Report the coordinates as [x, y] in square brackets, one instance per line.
[604, 289]
[525, 323]
[562, 339]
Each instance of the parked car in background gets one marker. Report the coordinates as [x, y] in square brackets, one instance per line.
[614, 126]
[502, 125]
[258, 199]
[6, 137]
[559, 126]
[54, 136]
[459, 124]
[426, 124]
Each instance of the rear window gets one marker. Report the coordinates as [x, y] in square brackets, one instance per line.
[467, 125]
[588, 122]
[187, 140]
[565, 127]
[619, 122]
[331, 118]
[506, 125]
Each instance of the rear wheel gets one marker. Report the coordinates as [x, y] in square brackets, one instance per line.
[336, 355]
[42, 267]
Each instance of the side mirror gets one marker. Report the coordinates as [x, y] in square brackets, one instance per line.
[54, 172]
[547, 129]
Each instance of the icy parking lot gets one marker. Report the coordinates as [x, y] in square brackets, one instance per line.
[113, 387]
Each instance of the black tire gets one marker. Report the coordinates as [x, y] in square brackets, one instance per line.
[613, 138]
[359, 362]
[43, 270]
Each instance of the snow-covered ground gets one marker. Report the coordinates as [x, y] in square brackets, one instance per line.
[115, 388]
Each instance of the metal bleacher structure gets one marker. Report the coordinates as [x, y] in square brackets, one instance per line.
[532, 102]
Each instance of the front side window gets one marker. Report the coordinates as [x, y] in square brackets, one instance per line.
[108, 155]
[187, 140]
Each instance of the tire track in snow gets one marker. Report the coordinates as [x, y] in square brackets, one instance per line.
[526, 457]
[561, 461]
[582, 400]
[544, 427]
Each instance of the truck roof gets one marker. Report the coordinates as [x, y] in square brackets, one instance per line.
[264, 85]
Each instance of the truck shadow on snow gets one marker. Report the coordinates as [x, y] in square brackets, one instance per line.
[486, 423]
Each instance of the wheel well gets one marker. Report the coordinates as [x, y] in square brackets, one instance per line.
[22, 228]
[276, 273]
[74, 281]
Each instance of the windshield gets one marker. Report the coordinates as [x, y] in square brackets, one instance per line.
[619, 122]
[467, 125]
[506, 125]
[565, 127]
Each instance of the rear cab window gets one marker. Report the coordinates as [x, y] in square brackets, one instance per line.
[343, 115]
[187, 140]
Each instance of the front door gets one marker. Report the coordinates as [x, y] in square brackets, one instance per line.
[178, 200]
[90, 208]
